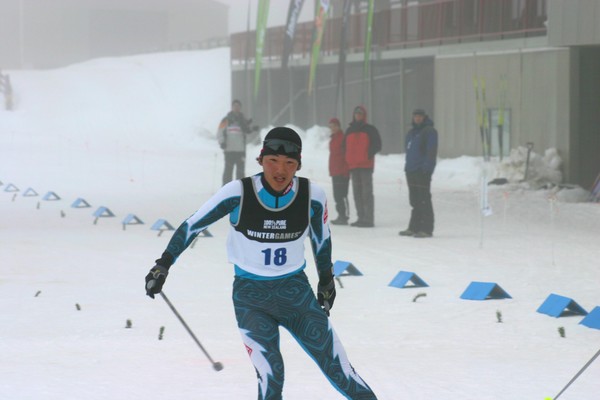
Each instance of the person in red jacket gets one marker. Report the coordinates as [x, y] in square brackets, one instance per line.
[362, 142]
[338, 170]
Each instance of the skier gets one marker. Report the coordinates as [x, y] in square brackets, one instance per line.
[271, 214]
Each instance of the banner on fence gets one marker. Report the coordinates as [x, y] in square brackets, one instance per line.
[261, 28]
[320, 19]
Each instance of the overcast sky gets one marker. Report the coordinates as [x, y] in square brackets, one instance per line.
[238, 13]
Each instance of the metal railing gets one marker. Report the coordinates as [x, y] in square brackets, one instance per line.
[6, 90]
[205, 44]
[409, 25]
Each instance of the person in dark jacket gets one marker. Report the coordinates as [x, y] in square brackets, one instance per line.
[421, 155]
[231, 135]
[362, 142]
[338, 170]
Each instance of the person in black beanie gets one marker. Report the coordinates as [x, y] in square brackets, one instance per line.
[421, 155]
[271, 214]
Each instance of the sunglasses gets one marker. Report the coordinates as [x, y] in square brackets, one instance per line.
[276, 144]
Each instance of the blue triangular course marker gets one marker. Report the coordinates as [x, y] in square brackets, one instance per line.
[206, 233]
[484, 291]
[103, 212]
[132, 219]
[11, 188]
[592, 320]
[30, 192]
[560, 306]
[162, 225]
[345, 268]
[403, 277]
[80, 203]
[51, 196]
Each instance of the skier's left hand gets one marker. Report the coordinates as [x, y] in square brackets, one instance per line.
[326, 294]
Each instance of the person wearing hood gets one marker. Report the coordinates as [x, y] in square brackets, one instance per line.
[271, 215]
[362, 142]
[421, 154]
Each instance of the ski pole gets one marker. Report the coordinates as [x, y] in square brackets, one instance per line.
[479, 114]
[577, 374]
[529, 148]
[217, 366]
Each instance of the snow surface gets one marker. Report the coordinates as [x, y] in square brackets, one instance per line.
[136, 135]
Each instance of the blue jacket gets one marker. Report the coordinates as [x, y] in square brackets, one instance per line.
[421, 147]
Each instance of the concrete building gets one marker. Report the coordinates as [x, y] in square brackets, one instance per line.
[539, 60]
[42, 34]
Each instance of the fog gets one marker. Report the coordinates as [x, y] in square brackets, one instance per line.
[137, 135]
[43, 34]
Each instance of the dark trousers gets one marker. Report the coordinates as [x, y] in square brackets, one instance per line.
[341, 185]
[261, 307]
[419, 195]
[362, 187]
[233, 159]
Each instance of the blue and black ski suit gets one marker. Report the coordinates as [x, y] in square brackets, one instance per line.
[270, 289]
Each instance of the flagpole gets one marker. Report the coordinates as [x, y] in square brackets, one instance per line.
[247, 94]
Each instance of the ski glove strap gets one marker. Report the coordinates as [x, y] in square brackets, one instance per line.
[326, 295]
[156, 279]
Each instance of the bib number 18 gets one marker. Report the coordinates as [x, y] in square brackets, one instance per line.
[275, 256]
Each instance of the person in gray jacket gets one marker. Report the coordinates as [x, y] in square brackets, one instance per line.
[231, 135]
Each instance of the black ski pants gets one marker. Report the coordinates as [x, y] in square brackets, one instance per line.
[341, 184]
[419, 195]
[362, 187]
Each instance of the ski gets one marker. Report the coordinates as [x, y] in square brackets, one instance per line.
[595, 192]
[486, 121]
[479, 115]
[501, 105]
[529, 148]
[482, 117]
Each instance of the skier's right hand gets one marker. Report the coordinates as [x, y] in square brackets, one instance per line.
[156, 279]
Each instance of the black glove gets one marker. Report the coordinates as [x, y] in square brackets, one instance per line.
[156, 279]
[326, 292]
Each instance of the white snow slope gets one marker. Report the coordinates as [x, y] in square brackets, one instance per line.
[136, 135]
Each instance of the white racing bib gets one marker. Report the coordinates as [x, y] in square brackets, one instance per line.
[267, 241]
